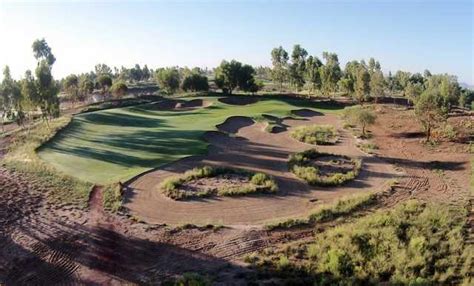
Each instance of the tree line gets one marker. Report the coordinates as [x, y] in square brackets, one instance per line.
[359, 79]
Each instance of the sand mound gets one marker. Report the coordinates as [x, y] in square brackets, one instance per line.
[306, 112]
[238, 100]
[234, 123]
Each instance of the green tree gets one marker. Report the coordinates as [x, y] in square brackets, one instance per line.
[280, 66]
[313, 74]
[360, 116]
[430, 110]
[86, 86]
[230, 75]
[330, 73]
[362, 84]
[102, 69]
[195, 82]
[42, 51]
[29, 92]
[401, 80]
[46, 87]
[413, 91]
[168, 79]
[377, 84]
[71, 87]
[298, 67]
[105, 82]
[119, 89]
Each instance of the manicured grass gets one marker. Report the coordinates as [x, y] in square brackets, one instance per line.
[116, 144]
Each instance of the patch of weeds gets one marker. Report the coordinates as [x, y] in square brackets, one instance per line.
[189, 279]
[22, 158]
[412, 244]
[112, 198]
[301, 164]
[258, 183]
[368, 148]
[315, 134]
[340, 209]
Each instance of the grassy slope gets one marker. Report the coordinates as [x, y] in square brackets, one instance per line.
[112, 145]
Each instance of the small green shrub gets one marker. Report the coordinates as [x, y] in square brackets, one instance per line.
[315, 134]
[367, 147]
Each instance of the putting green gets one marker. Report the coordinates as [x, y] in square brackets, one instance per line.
[116, 144]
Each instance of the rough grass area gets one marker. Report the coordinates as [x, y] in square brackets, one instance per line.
[112, 197]
[303, 166]
[341, 208]
[367, 147]
[315, 134]
[114, 145]
[412, 244]
[21, 157]
[257, 183]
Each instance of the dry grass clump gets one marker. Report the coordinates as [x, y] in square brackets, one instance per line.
[315, 134]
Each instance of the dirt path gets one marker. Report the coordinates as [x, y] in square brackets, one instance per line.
[254, 149]
[439, 174]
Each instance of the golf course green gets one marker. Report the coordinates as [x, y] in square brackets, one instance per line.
[116, 144]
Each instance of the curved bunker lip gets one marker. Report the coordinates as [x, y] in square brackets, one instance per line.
[305, 112]
[238, 100]
[180, 105]
[234, 123]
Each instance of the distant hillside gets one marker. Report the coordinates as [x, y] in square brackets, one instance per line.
[465, 85]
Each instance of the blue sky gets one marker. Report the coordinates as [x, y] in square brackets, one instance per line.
[407, 35]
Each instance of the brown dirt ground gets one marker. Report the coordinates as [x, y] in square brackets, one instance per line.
[256, 150]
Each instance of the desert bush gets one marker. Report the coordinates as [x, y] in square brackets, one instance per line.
[413, 244]
[190, 279]
[258, 183]
[368, 147]
[300, 165]
[315, 134]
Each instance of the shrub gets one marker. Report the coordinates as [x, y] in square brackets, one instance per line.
[300, 165]
[315, 134]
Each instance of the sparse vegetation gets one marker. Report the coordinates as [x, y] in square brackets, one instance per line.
[22, 157]
[359, 116]
[315, 134]
[257, 183]
[412, 244]
[342, 207]
[367, 147]
[305, 166]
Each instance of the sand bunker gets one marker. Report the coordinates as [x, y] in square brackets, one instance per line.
[238, 100]
[180, 105]
[234, 123]
[306, 112]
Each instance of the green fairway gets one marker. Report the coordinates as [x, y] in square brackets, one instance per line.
[116, 144]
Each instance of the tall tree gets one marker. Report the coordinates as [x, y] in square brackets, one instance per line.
[330, 73]
[377, 84]
[298, 67]
[280, 65]
[430, 110]
[42, 51]
[71, 87]
[105, 82]
[362, 84]
[102, 69]
[313, 74]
